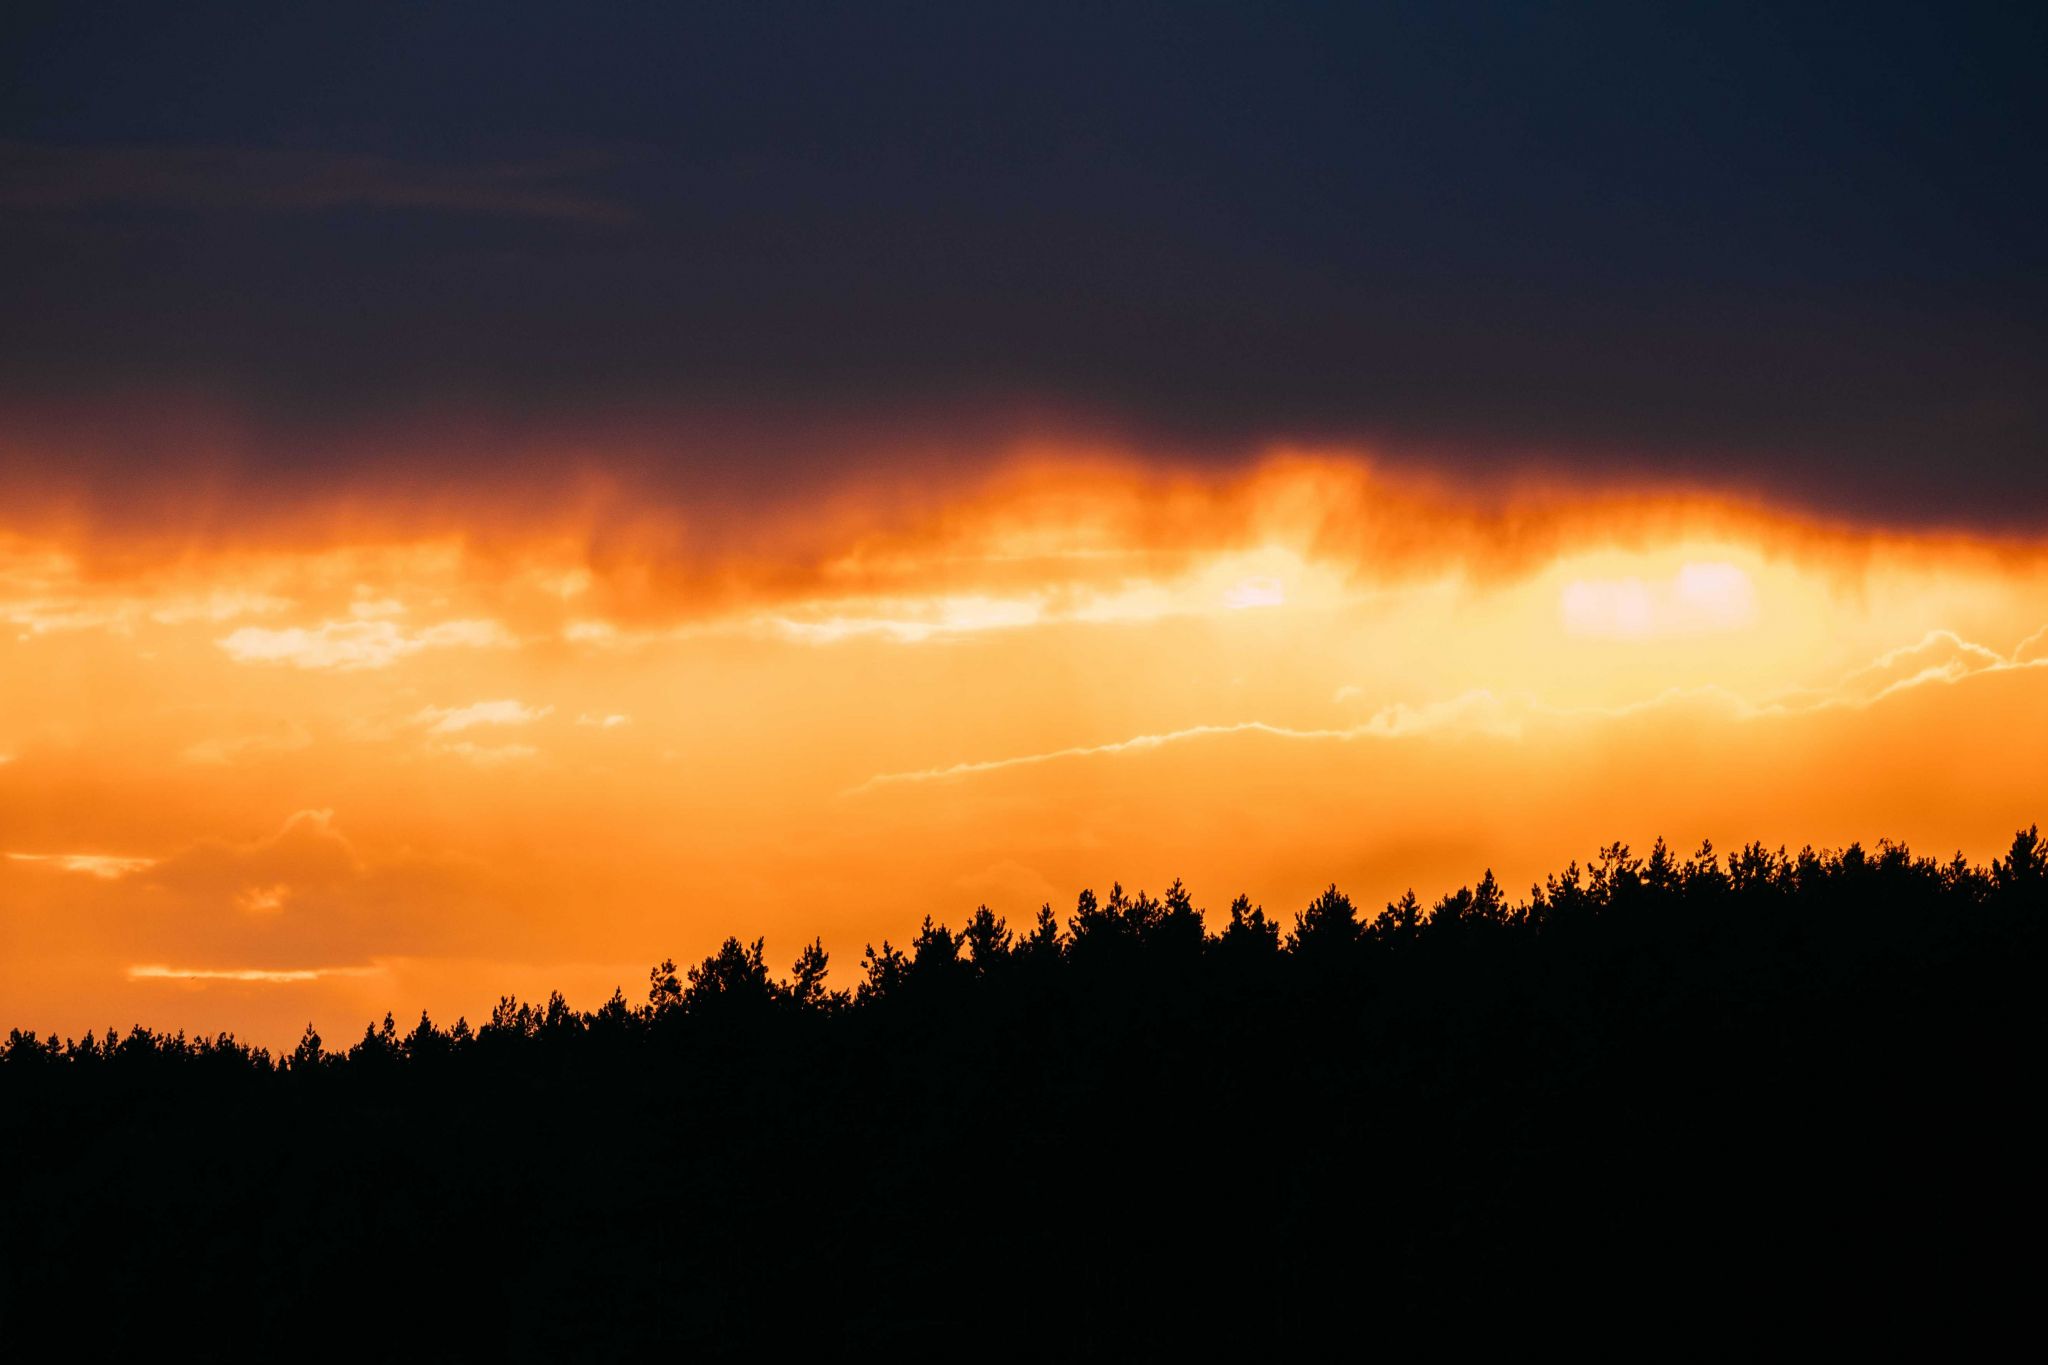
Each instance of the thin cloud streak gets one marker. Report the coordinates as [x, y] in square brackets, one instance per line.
[1487, 713]
[106, 867]
[156, 971]
[1388, 724]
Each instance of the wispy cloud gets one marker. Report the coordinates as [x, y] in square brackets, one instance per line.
[910, 621]
[455, 720]
[356, 644]
[51, 614]
[274, 976]
[106, 867]
[263, 900]
[1392, 723]
[448, 720]
[306, 851]
[490, 755]
[1940, 657]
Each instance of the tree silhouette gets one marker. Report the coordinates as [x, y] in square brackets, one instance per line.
[807, 988]
[1720, 1091]
[1327, 929]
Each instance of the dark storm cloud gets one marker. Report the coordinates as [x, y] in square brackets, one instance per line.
[1793, 250]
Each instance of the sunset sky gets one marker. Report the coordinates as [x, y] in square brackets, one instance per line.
[494, 498]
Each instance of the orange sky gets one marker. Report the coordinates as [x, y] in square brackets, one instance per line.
[400, 752]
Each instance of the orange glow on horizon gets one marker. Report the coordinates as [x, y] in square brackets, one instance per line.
[341, 758]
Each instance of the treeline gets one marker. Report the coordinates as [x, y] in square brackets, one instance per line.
[1718, 1089]
[1710, 918]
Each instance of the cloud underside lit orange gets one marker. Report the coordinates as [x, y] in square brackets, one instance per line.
[347, 756]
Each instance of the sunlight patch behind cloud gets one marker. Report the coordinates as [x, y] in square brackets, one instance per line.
[1255, 592]
[1698, 598]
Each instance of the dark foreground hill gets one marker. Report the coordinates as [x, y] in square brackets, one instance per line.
[1661, 1105]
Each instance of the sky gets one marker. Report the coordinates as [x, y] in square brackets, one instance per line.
[493, 497]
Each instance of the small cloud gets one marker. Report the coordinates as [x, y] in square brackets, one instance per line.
[106, 867]
[306, 852]
[611, 722]
[453, 720]
[490, 755]
[47, 617]
[448, 720]
[80, 612]
[1348, 692]
[263, 900]
[349, 645]
[2033, 649]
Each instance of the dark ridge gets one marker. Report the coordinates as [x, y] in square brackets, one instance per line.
[1665, 1105]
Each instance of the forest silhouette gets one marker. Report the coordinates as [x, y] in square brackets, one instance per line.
[1661, 1101]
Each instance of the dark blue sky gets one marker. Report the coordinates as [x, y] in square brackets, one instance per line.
[1796, 248]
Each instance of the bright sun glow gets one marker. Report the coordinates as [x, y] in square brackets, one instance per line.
[1698, 597]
